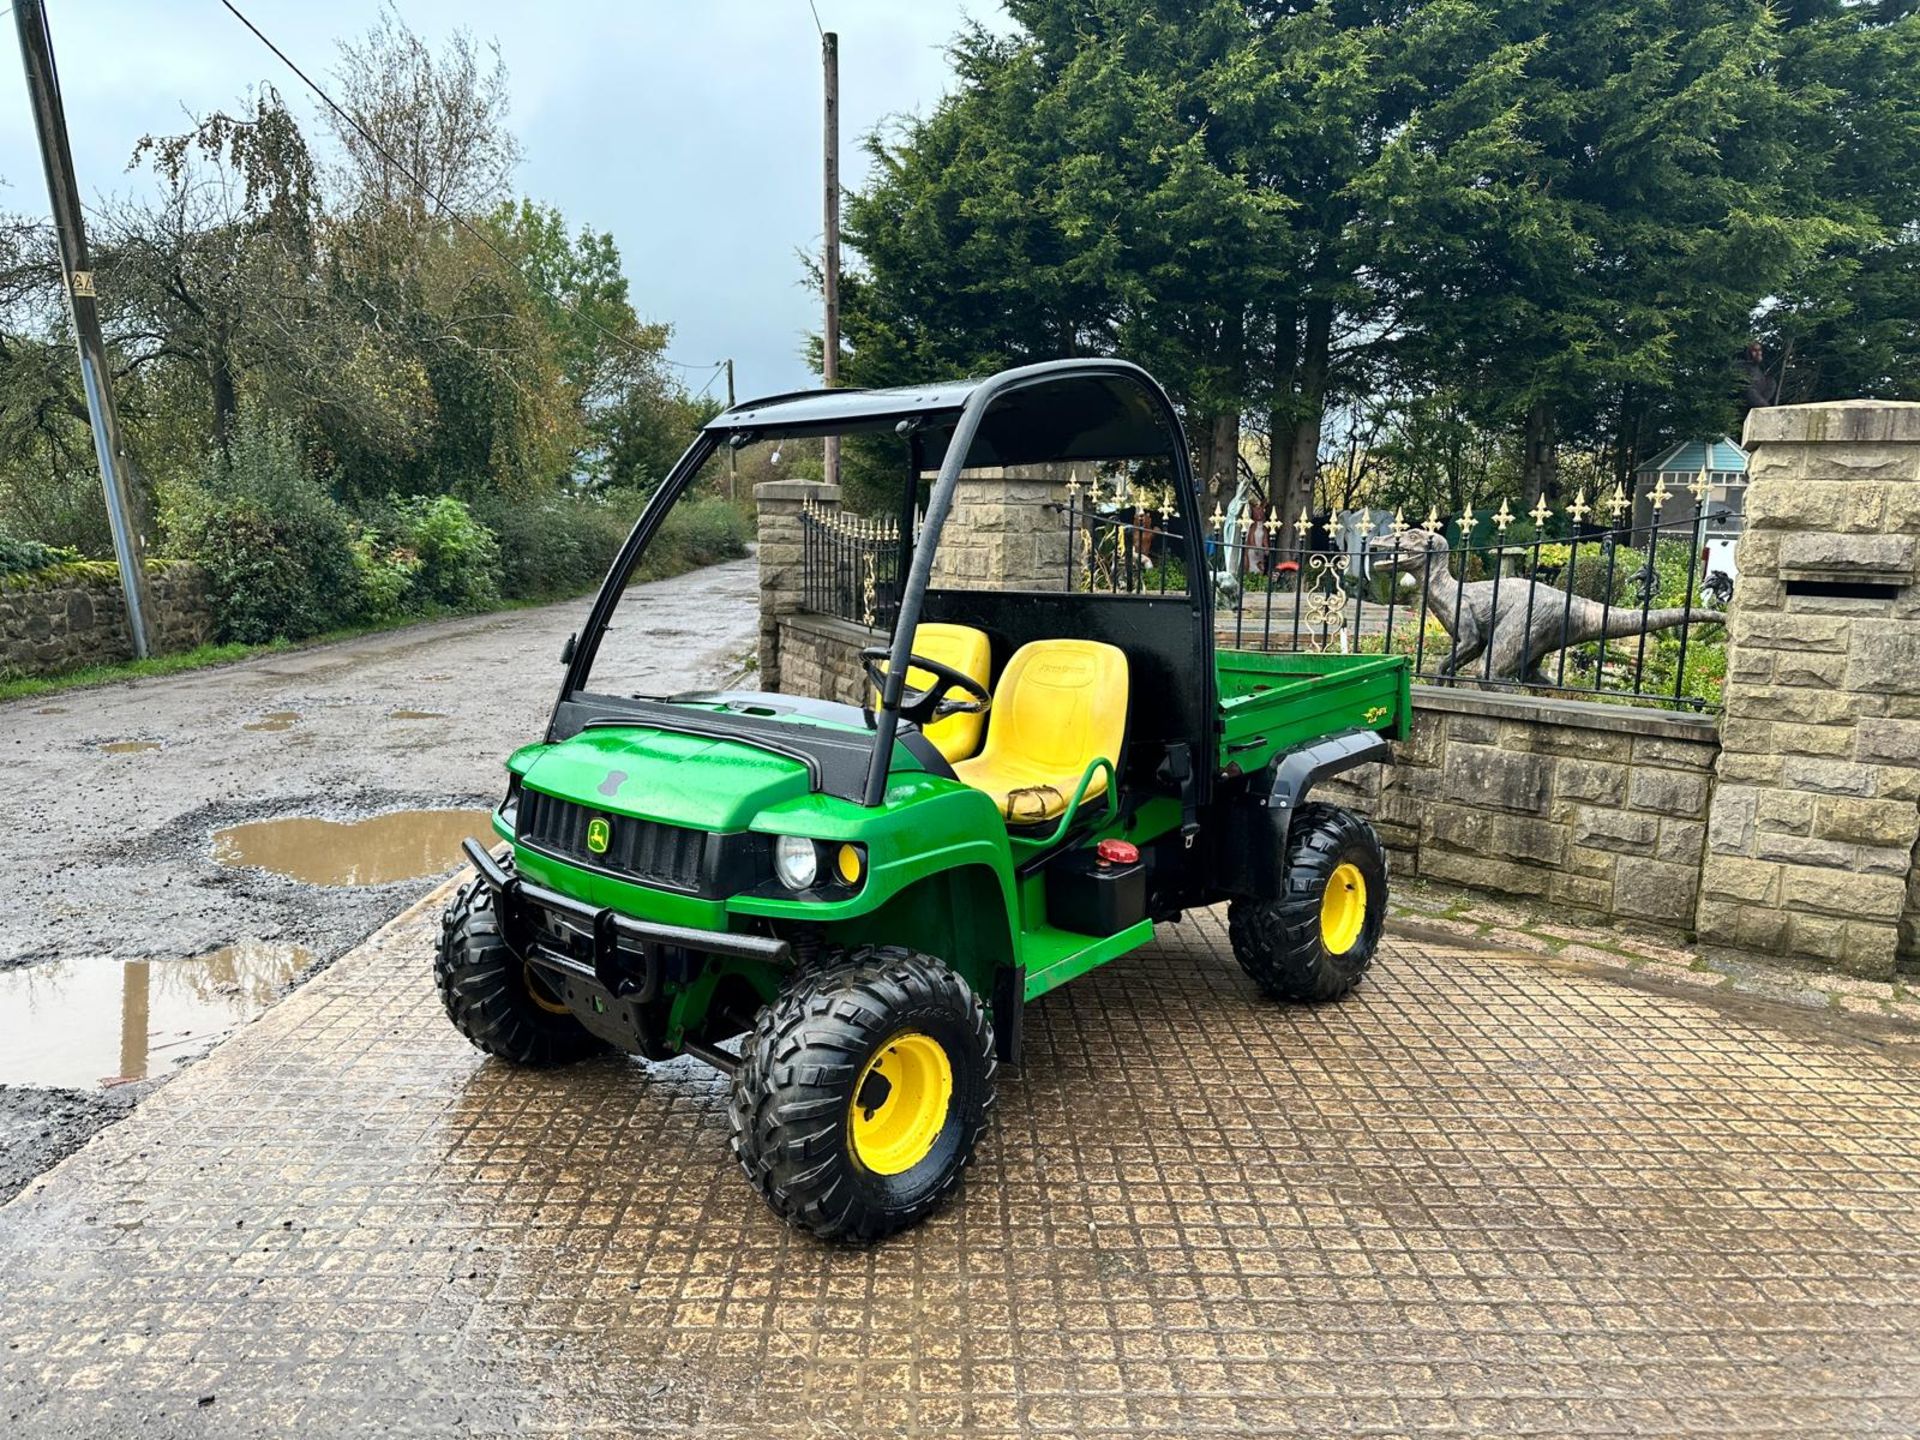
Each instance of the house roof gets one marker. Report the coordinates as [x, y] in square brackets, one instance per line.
[1690, 457]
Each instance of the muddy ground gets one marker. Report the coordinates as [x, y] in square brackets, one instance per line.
[116, 792]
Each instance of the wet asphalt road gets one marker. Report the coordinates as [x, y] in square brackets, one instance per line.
[110, 851]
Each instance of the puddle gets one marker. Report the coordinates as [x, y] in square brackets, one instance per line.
[274, 720]
[81, 1024]
[405, 845]
[129, 747]
[418, 715]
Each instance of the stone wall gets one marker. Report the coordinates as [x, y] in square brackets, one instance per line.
[1600, 809]
[1814, 841]
[779, 503]
[1790, 827]
[69, 618]
[820, 656]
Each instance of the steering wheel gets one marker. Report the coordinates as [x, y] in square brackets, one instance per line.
[923, 707]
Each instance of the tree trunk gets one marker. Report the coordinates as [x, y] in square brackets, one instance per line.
[1216, 446]
[1299, 412]
[226, 403]
[1541, 463]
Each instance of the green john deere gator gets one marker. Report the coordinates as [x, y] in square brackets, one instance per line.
[860, 900]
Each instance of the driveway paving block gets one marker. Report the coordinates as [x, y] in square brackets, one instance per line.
[1485, 1193]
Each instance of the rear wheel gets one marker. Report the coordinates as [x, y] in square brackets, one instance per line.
[1317, 940]
[862, 1092]
[497, 1000]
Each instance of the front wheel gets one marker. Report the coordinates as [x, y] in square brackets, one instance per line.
[1317, 940]
[497, 1000]
[862, 1092]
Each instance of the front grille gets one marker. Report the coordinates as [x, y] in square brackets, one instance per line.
[651, 853]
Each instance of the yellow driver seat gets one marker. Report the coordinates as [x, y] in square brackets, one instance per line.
[1060, 704]
[966, 650]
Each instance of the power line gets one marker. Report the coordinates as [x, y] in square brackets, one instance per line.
[816, 19]
[457, 218]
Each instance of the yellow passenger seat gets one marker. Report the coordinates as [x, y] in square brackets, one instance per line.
[966, 650]
[1060, 704]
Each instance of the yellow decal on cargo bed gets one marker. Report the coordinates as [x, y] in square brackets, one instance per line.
[1375, 714]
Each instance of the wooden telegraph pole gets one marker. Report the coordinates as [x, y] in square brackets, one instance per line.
[830, 353]
[733, 452]
[50, 120]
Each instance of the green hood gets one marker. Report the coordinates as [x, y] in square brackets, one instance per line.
[715, 785]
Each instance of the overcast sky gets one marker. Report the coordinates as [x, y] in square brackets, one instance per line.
[688, 128]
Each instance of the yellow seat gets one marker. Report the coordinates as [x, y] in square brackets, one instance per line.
[1060, 705]
[966, 650]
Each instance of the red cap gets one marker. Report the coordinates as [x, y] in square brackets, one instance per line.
[1116, 852]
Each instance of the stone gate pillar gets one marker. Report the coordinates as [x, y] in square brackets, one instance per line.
[779, 503]
[1007, 530]
[1816, 809]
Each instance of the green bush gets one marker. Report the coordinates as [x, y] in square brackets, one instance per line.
[23, 557]
[459, 559]
[695, 533]
[276, 549]
[562, 545]
[386, 575]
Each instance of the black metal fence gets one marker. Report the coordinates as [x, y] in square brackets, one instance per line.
[849, 566]
[1575, 600]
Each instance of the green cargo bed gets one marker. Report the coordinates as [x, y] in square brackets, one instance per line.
[1273, 701]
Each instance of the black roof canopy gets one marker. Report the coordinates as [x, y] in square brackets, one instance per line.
[1063, 411]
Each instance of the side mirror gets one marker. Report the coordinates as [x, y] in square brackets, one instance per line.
[566, 650]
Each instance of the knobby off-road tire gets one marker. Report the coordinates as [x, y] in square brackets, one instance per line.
[830, 1112]
[1317, 940]
[489, 995]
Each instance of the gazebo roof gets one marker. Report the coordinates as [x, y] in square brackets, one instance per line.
[1690, 457]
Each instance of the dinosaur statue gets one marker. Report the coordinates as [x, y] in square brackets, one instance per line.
[1517, 644]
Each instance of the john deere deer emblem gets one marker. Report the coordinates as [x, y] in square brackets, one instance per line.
[598, 833]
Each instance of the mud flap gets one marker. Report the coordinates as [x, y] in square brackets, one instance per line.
[1252, 845]
[1008, 1005]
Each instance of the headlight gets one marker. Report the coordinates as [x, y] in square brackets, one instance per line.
[794, 862]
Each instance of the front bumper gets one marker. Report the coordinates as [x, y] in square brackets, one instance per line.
[624, 957]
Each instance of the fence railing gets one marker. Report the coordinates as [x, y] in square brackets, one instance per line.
[1581, 602]
[849, 566]
[1603, 609]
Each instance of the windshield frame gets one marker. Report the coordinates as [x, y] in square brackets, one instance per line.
[760, 420]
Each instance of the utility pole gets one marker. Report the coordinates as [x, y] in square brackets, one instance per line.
[50, 120]
[830, 353]
[733, 455]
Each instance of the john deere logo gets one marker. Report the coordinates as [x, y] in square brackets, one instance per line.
[598, 833]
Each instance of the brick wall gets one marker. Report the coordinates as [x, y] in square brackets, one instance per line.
[62, 622]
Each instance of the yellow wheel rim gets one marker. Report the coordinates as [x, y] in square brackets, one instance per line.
[900, 1104]
[538, 993]
[1343, 909]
